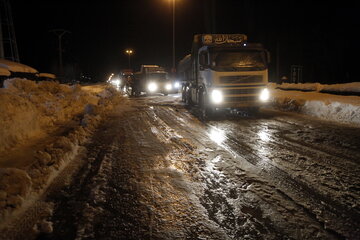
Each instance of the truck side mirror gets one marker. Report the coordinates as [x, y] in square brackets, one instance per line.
[203, 60]
[268, 58]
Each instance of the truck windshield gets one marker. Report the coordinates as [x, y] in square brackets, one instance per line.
[158, 77]
[230, 59]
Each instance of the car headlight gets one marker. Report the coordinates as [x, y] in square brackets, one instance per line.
[264, 95]
[177, 85]
[216, 96]
[168, 86]
[115, 82]
[152, 87]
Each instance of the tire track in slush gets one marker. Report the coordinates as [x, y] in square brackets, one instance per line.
[329, 213]
[332, 212]
[333, 170]
[212, 200]
[215, 200]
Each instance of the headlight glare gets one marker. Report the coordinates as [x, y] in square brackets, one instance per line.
[216, 96]
[115, 81]
[168, 86]
[177, 85]
[152, 87]
[264, 95]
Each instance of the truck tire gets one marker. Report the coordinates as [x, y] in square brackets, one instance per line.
[183, 96]
[207, 112]
[188, 101]
[254, 110]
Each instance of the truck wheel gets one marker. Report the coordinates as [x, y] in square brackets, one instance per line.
[129, 91]
[183, 95]
[254, 111]
[188, 101]
[132, 93]
[206, 112]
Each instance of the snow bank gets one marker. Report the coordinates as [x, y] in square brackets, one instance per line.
[29, 109]
[317, 87]
[16, 67]
[4, 72]
[345, 87]
[338, 108]
[294, 86]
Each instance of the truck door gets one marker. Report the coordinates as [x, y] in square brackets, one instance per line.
[194, 80]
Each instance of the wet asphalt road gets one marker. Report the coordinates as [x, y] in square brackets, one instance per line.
[156, 171]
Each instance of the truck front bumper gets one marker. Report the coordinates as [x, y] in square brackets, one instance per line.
[219, 99]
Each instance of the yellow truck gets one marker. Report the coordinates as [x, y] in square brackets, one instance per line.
[224, 71]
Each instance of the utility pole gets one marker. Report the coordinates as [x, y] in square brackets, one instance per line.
[60, 33]
[8, 45]
[209, 12]
[277, 74]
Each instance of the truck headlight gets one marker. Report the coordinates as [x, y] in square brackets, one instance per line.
[116, 81]
[216, 96]
[264, 95]
[168, 86]
[152, 87]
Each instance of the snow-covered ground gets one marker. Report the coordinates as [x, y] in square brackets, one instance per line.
[317, 87]
[309, 100]
[44, 125]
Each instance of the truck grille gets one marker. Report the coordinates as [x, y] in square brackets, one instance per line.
[240, 91]
[242, 79]
[241, 99]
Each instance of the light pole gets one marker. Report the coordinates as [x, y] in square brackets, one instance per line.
[173, 36]
[129, 52]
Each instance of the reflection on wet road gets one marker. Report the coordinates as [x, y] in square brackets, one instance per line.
[165, 174]
[256, 147]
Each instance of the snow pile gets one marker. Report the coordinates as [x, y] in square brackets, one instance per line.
[337, 111]
[16, 67]
[29, 110]
[345, 87]
[15, 186]
[293, 86]
[353, 87]
[326, 106]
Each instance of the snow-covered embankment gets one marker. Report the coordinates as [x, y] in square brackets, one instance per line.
[309, 99]
[29, 111]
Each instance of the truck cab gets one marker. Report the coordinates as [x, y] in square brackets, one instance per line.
[225, 72]
[154, 79]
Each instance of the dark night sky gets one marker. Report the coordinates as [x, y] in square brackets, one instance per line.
[316, 34]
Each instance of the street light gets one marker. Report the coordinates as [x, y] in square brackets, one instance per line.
[173, 35]
[129, 52]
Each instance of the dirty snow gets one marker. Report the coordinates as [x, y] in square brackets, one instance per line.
[344, 87]
[16, 67]
[30, 111]
[4, 72]
[345, 109]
